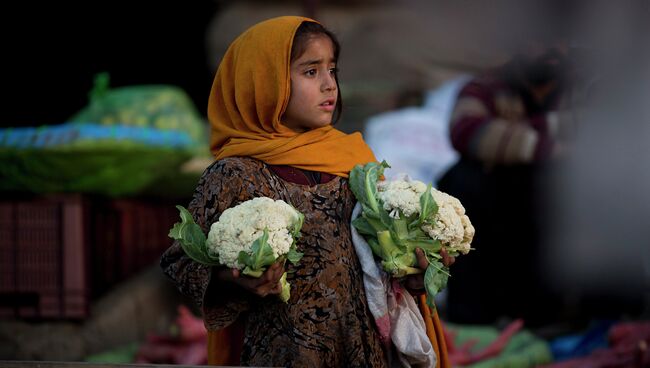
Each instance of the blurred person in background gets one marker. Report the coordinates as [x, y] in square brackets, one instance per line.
[508, 125]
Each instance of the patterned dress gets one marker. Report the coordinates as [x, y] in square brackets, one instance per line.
[326, 323]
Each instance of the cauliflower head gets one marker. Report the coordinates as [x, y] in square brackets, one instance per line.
[398, 216]
[450, 225]
[238, 227]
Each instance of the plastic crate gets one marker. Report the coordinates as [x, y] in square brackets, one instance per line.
[128, 236]
[43, 258]
[143, 229]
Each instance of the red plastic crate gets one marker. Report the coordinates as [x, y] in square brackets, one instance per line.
[44, 258]
[128, 236]
[142, 232]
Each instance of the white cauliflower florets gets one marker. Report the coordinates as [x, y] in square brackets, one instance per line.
[451, 226]
[403, 194]
[238, 227]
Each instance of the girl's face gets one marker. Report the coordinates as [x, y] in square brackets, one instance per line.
[313, 87]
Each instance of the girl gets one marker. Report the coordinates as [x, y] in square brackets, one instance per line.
[272, 103]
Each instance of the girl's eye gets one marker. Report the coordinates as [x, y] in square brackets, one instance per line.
[310, 72]
[334, 71]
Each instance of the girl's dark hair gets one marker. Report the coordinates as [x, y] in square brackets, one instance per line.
[304, 33]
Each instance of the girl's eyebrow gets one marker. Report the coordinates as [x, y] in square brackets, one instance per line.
[315, 62]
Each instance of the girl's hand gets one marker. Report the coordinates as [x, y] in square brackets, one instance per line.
[415, 283]
[268, 283]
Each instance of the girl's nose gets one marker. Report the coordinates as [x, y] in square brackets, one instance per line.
[329, 83]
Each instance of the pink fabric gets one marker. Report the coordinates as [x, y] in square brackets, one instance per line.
[383, 325]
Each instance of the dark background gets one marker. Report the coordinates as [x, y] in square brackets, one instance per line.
[52, 51]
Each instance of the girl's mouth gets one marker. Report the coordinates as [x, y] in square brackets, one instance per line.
[327, 105]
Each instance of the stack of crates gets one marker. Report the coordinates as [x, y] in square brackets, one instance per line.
[60, 252]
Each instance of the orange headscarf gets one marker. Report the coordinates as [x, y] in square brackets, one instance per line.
[249, 95]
